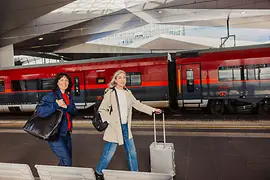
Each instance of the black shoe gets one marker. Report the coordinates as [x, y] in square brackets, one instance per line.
[99, 176]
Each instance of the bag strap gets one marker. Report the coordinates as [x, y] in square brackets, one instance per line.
[110, 111]
[110, 99]
[118, 105]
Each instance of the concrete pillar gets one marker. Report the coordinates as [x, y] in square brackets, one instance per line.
[6, 56]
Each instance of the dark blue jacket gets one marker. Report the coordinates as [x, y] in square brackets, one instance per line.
[48, 106]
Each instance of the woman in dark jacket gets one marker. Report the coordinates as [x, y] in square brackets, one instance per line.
[60, 98]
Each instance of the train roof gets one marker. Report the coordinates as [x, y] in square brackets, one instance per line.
[196, 53]
[94, 60]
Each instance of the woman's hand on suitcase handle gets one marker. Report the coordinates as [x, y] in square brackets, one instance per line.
[158, 111]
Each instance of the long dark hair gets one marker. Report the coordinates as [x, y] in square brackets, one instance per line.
[56, 79]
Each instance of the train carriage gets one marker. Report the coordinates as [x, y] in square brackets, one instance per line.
[23, 87]
[233, 79]
[236, 79]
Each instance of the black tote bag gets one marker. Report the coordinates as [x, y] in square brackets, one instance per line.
[44, 128]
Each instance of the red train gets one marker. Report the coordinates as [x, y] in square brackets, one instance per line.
[235, 79]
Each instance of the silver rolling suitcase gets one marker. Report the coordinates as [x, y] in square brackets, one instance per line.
[162, 153]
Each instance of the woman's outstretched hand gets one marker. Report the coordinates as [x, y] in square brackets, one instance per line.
[157, 111]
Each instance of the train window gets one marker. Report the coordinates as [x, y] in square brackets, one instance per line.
[236, 74]
[2, 86]
[76, 80]
[100, 81]
[31, 84]
[17, 85]
[24, 85]
[225, 74]
[190, 80]
[250, 74]
[46, 84]
[246, 74]
[128, 83]
[133, 79]
[190, 75]
[257, 73]
[264, 73]
[259, 66]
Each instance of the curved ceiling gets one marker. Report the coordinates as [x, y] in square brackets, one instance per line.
[54, 25]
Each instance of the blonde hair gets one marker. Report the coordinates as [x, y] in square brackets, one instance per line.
[112, 84]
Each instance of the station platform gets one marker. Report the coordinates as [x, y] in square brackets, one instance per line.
[259, 129]
[204, 150]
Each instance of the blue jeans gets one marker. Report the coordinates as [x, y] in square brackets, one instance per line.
[63, 150]
[110, 149]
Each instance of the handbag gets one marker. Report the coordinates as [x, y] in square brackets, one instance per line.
[97, 121]
[45, 128]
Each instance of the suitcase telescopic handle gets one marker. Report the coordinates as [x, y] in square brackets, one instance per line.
[155, 131]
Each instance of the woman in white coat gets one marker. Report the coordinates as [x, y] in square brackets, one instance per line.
[116, 109]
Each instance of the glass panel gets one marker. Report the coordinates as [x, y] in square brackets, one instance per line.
[2, 86]
[190, 80]
[236, 74]
[251, 74]
[18, 85]
[31, 84]
[128, 79]
[257, 73]
[97, 7]
[47, 84]
[76, 80]
[225, 75]
[245, 74]
[190, 75]
[135, 79]
[265, 73]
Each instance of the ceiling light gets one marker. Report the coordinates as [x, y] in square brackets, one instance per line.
[41, 38]
[243, 12]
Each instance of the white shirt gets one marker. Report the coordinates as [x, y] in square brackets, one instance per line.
[122, 99]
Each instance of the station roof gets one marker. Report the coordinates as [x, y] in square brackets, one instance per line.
[60, 26]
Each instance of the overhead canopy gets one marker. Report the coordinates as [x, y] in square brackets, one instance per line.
[57, 25]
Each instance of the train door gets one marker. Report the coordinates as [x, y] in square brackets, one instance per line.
[78, 89]
[191, 83]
